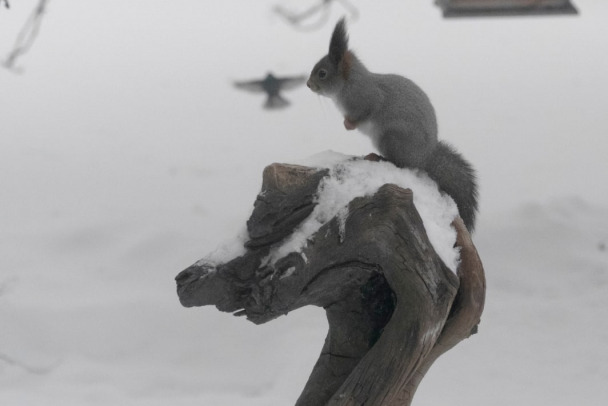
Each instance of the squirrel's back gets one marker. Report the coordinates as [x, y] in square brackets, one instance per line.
[404, 100]
[393, 111]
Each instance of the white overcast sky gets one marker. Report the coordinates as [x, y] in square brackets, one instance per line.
[115, 92]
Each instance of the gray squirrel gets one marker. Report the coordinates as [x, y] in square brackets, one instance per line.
[399, 118]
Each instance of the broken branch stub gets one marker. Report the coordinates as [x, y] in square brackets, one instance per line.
[392, 305]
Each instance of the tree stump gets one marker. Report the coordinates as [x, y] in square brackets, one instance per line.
[392, 305]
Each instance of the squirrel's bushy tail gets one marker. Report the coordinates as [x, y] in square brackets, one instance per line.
[456, 177]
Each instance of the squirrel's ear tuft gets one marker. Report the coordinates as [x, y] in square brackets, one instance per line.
[339, 42]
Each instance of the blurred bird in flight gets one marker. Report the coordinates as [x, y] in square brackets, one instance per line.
[272, 86]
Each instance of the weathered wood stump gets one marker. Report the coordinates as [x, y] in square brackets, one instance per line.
[393, 306]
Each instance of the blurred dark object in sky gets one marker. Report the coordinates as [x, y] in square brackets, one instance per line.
[302, 20]
[497, 8]
[26, 36]
[272, 86]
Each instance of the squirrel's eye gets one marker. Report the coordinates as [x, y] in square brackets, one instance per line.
[322, 74]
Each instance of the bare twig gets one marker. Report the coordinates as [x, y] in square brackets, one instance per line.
[321, 8]
[6, 4]
[27, 35]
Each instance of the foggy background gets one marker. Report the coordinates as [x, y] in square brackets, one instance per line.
[126, 154]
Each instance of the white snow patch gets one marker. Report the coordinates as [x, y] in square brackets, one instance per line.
[288, 272]
[350, 178]
[228, 250]
[342, 217]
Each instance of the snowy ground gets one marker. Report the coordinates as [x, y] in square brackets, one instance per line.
[113, 333]
[126, 156]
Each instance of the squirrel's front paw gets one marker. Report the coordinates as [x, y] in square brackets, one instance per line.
[349, 125]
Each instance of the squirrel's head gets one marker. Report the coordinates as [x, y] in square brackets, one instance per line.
[331, 72]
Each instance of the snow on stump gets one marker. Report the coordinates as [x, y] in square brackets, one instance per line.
[395, 270]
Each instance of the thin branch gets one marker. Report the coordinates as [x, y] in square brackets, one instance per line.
[322, 8]
[27, 35]
[30, 369]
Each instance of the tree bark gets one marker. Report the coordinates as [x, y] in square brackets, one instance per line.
[392, 305]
